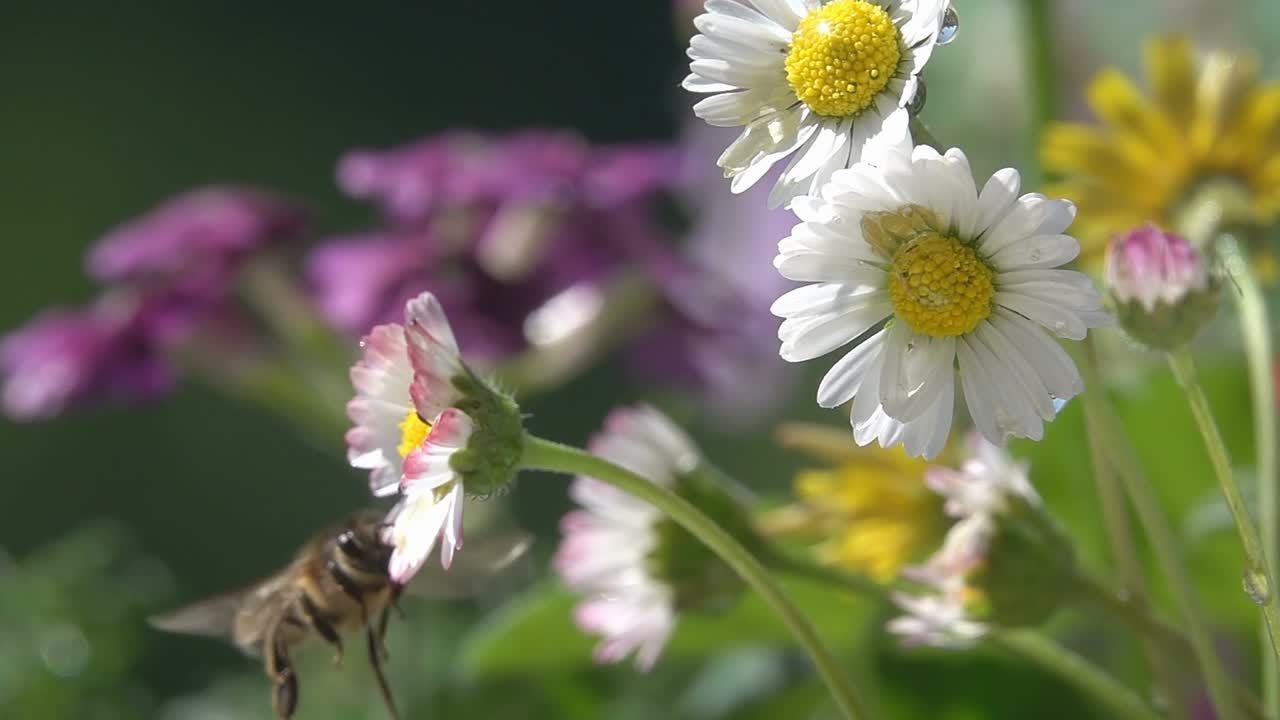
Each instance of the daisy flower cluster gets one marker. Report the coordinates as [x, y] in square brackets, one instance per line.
[936, 285]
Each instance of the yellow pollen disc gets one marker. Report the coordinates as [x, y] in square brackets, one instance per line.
[940, 286]
[413, 430]
[842, 55]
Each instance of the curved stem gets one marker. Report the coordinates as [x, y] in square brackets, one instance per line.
[1257, 579]
[1098, 411]
[1255, 329]
[1119, 700]
[540, 454]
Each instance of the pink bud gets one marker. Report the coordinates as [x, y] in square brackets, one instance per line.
[1149, 265]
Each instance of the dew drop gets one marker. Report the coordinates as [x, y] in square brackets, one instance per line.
[1256, 586]
[1003, 422]
[917, 101]
[1035, 256]
[950, 26]
[1059, 326]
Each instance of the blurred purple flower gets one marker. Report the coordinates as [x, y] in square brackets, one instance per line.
[722, 337]
[507, 230]
[495, 227]
[169, 276]
[113, 349]
[213, 226]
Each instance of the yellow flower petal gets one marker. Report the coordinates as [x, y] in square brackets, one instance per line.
[1171, 66]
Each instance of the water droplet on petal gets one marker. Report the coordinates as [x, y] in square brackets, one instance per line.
[917, 101]
[1257, 587]
[950, 26]
[1002, 422]
[1060, 326]
[1034, 256]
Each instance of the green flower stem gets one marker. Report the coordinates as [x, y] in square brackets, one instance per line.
[1255, 328]
[1098, 412]
[1257, 580]
[809, 570]
[1120, 701]
[1041, 74]
[1134, 608]
[1174, 648]
[540, 454]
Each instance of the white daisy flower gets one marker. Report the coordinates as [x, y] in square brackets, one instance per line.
[431, 510]
[936, 283]
[813, 78]
[406, 430]
[608, 545]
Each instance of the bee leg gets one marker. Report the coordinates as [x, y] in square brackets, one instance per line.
[285, 698]
[383, 621]
[323, 627]
[395, 602]
[377, 652]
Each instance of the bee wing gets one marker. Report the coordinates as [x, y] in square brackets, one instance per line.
[475, 568]
[212, 617]
[241, 617]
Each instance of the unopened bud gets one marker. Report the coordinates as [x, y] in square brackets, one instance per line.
[1163, 289]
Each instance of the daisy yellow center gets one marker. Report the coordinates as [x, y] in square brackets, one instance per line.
[842, 55]
[413, 430]
[940, 286]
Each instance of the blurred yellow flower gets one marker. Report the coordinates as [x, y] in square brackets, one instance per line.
[869, 510]
[1208, 126]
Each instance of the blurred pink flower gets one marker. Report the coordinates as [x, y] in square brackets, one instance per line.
[213, 226]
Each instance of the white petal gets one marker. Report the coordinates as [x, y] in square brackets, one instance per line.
[1022, 371]
[820, 267]
[997, 199]
[825, 298]
[1056, 319]
[732, 21]
[1020, 222]
[787, 13]
[1037, 251]
[826, 142]
[1055, 367]
[844, 378]
[810, 337]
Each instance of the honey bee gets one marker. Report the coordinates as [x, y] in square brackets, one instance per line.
[338, 582]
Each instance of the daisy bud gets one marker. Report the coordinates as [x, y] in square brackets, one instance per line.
[429, 428]
[637, 568]
[1163, 289]
[1004, 562]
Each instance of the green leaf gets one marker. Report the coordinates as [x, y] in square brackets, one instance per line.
[535, 632]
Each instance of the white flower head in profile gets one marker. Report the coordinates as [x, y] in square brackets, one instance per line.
[812, 79]
[935, 284]
[609, 546]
